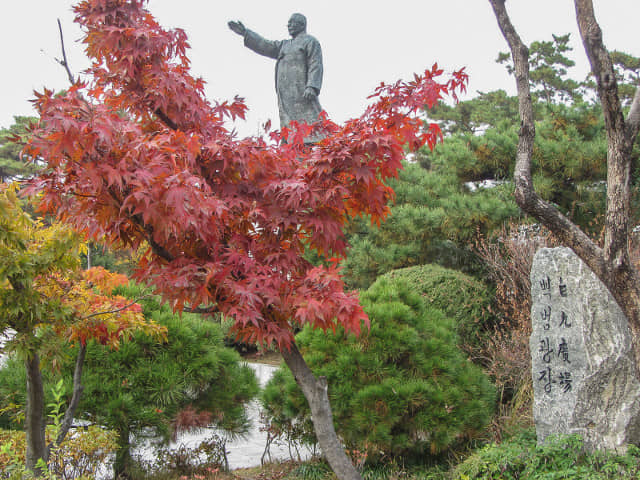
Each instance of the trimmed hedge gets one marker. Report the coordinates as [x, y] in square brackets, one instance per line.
[460, 297]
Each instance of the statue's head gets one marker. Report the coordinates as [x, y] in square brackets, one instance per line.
[297, 24]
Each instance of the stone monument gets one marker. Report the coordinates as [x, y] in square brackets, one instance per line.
[298, 69]
[583, 367]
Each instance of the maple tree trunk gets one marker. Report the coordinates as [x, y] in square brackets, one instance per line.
[34, 419]
[611, 264]
[315, 391]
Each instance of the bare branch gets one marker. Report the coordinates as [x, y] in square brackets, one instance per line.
[633, 117]
[107, 312]
[525, 194]
[64, 61]
[620, 146]
[520, 55]
[75, 397]
[601, 64]
[77, 382]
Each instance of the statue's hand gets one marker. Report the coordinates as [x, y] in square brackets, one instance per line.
[237, 27]
[310, 93]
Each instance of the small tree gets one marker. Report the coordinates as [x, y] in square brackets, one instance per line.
[147, 388]
[46, 301]
[190, 382]
[403, 388]
[140, 155]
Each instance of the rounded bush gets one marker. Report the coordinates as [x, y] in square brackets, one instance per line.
[460, 297]
[402, 388]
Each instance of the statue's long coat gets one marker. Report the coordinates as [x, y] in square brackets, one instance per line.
[298, 65]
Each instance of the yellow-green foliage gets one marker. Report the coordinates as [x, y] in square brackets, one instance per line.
[29, 249]
[81, 454]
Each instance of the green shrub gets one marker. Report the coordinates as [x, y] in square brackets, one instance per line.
[312, 470]
[403, 388]
[561, 457]
[460, 297]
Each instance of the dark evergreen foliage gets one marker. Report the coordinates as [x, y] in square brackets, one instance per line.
[401, 389]
[433, 220]
[12, 166]
[461, 297]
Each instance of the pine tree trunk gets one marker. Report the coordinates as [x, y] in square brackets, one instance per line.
[315, 391]
[34, 415]
[123, 462]
[611, 263]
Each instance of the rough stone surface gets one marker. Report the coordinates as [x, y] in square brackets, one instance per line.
[584, 375]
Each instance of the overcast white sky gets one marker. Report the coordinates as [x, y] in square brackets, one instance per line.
[363, 43]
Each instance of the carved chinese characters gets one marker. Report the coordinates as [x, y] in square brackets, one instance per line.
[582, 365]
[555, 369]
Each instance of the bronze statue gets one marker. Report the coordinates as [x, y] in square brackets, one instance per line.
[298, 68]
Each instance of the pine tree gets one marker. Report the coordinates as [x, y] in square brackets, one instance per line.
[401, 389]
[12, 165]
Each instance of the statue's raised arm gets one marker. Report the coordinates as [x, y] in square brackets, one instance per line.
[237, 27]
[298, 68]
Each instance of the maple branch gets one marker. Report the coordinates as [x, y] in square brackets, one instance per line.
[83, 195]
[165, 118]
[64, 61]
[213, 309]
[107, 312]
[147, 231]
[15, 283]
[158, 249]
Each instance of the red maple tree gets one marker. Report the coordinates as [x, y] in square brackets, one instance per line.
[140, 156]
